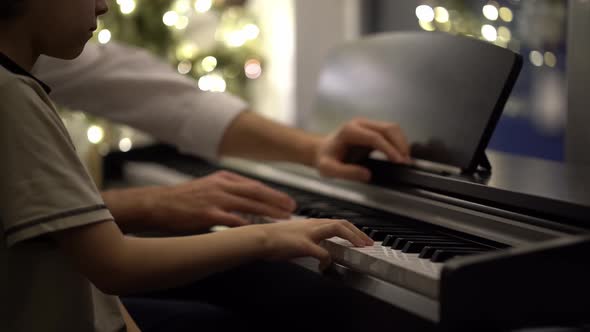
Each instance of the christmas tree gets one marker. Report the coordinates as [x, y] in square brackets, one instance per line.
[216, 42]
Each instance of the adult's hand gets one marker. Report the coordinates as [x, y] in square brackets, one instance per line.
[196, 205]
[386, 137]
[210, 201]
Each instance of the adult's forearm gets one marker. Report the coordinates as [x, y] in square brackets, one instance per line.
[253, 136]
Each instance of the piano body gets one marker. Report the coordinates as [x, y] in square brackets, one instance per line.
[471, 249]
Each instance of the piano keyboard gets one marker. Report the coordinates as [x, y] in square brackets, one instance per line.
[407, 252]
[438, 261]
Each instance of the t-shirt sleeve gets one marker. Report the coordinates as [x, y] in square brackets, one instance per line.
[44, 187]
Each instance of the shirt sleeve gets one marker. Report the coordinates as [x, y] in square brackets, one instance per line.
[131, 86]
[44, 187]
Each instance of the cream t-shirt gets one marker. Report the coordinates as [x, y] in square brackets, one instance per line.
[44, 188]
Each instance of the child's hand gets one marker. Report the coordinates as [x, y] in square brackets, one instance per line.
[297, 238]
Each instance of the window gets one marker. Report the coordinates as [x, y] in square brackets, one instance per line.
[534, 119]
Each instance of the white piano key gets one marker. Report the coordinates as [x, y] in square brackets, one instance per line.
[406, 270]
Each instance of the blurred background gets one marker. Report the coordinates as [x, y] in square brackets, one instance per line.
[269, 52]
[534, 118]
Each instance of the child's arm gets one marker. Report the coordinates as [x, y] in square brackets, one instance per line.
[120, 264]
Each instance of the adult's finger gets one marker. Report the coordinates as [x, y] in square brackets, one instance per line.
[220, 217]
[258, 191]
[359, 135]
[335, 168]
[391, 131]
[245, 205]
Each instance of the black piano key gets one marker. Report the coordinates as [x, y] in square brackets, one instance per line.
[318, 213]
[428, 251]
[381, 234]
[400, 242]
[316, 207]
[338, 215]
[390, 239]
[378, 235]
[375, 221]
[303, 210]
[393, 229]
[414, 247]
[442, 255]
[360, 225]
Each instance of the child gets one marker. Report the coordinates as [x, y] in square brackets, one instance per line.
[61, 252]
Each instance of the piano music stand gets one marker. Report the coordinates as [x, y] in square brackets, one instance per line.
[447, 92]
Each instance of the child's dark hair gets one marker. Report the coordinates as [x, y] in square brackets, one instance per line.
[11, 8]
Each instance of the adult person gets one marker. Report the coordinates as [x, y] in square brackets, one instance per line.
[142, 91]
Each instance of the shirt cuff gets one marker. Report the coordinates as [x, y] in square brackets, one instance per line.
[201, 135]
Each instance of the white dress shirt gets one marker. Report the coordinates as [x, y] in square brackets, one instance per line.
[131, 86]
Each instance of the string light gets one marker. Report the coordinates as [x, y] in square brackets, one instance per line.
[104, 36]
[504, 34]
[253, 69]
[209, 63]
[202, 6]
[125, 144]
[446, 26]
[428, 26]
[236, 38]
[489, 32]
[212, 82]
[506, 14]
[95, 134]
[182, 6]
[550, 59]
[441, 14]
[536, 58]
[490, 12]
[251, 31]
[170, 18]
[425, 13]
[188, 50]
[181, 23]
[126, 6]
[184, 67]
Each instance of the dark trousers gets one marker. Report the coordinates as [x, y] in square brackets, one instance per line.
[263, 297]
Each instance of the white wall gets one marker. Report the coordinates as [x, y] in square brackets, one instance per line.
[297, 35]
[274, 91]
[320, 25]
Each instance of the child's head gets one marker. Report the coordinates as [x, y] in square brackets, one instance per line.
[58, 28]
